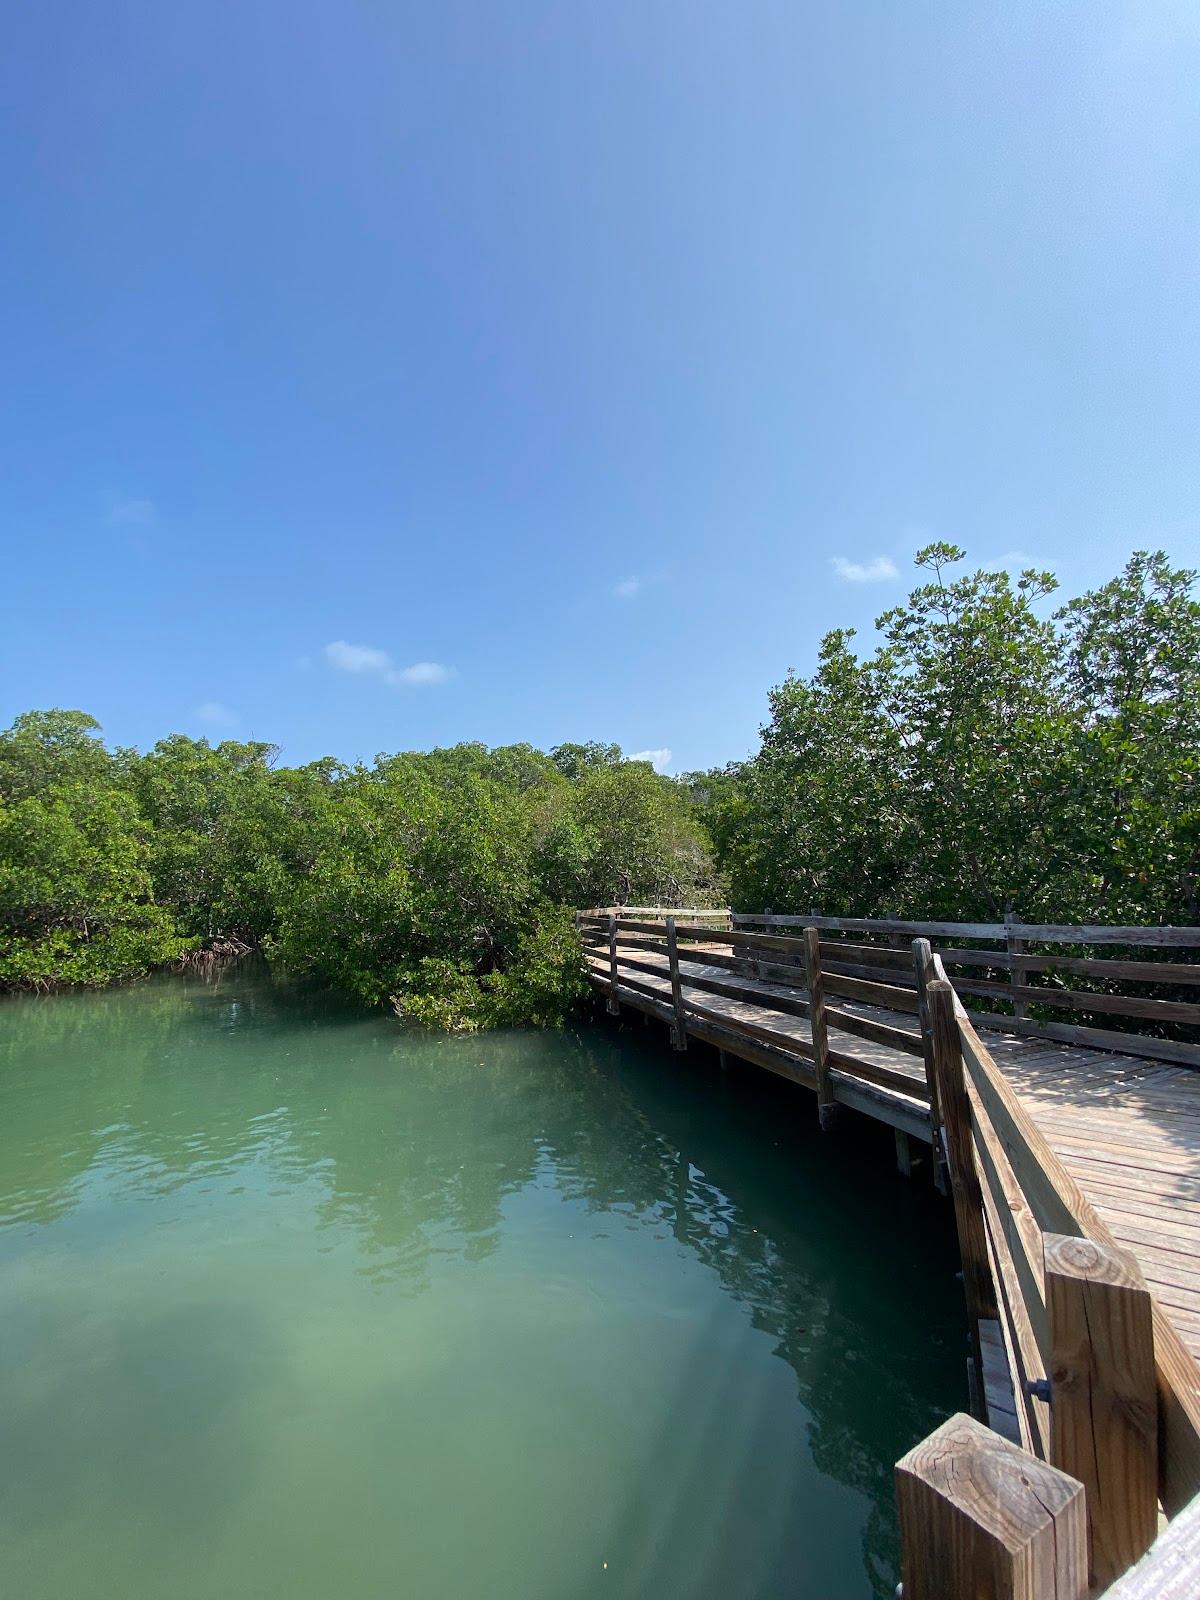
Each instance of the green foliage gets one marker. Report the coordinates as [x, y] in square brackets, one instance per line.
[75, 890]
[984, 757]
[546, 977]
[439, 882]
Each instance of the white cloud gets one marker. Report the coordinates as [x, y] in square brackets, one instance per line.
[130, 511]
[356, 657]
[419, 672]
[660, 760]
[874, 571]
[366, 658]
[628, 588]
[217, 715]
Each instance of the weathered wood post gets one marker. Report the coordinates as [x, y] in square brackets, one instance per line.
[923, 963]
[826, 1105]
[1103, 1400]
[679, 1032]
[964, 1175]
[760, 960]
[981, 1519]
[614, 1005]
[1016, 967]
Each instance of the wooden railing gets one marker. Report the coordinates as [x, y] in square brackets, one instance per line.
[1102, 1388]
[803, 984]
[992, 964]
[1099, 1400]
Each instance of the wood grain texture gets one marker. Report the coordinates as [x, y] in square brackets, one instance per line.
[1103, 1414]
[981, 1519]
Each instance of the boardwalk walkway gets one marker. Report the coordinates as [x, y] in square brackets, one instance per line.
[1126, 1128]
[1071, 1146]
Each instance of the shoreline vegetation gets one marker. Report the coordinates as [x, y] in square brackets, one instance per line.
[1054, 753]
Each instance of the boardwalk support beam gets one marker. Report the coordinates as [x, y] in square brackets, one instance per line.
[964, 1175]
[679, 1031]
[826, 1104]
[923, 963]
[1103, 1408]
[981, 1517]
[614, 1005]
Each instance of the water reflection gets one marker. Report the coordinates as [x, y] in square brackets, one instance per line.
[563, 1166]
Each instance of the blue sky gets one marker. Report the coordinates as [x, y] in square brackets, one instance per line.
[382, 375]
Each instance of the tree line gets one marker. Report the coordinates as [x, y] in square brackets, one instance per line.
[442, 882]
[990, 754]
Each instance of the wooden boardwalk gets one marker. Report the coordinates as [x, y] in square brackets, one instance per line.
[1126, 1128]
[1071, 1147]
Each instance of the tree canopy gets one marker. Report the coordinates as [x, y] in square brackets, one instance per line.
[442, 882]
[990, 754]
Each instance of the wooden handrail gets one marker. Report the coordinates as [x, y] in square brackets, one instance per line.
[1055, 1204]
[1031, 932]
[1019, 984]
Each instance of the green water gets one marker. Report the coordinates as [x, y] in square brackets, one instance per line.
[297, 1305]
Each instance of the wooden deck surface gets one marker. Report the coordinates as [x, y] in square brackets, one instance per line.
[1126, 1128]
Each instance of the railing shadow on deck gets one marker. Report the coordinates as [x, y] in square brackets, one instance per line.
[1096, 1398]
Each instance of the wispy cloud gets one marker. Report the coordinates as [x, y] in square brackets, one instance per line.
[217, 715]
[629, 588]
[356, 657]
[419, 672]
[877, 570]
[660, 760]
[130, 511]
[365, 658]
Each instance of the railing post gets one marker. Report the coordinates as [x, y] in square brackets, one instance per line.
[981, 1519]
[760, 960]
[826, 1105]
[614, 1005]
[1103, 1400]
[679, 1033]
[964, 1175]
[923, 963]
[1016, 967]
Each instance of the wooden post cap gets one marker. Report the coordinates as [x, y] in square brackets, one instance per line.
[1085, 1259]
[981, 1519]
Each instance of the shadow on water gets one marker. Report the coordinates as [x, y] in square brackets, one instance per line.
[188, 1088]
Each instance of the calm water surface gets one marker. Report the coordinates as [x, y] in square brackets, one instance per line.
[295, 1304]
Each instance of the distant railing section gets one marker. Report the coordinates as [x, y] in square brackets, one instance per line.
[993, 963]
[1096, 1398]
[792, 964]
[1009, 971]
